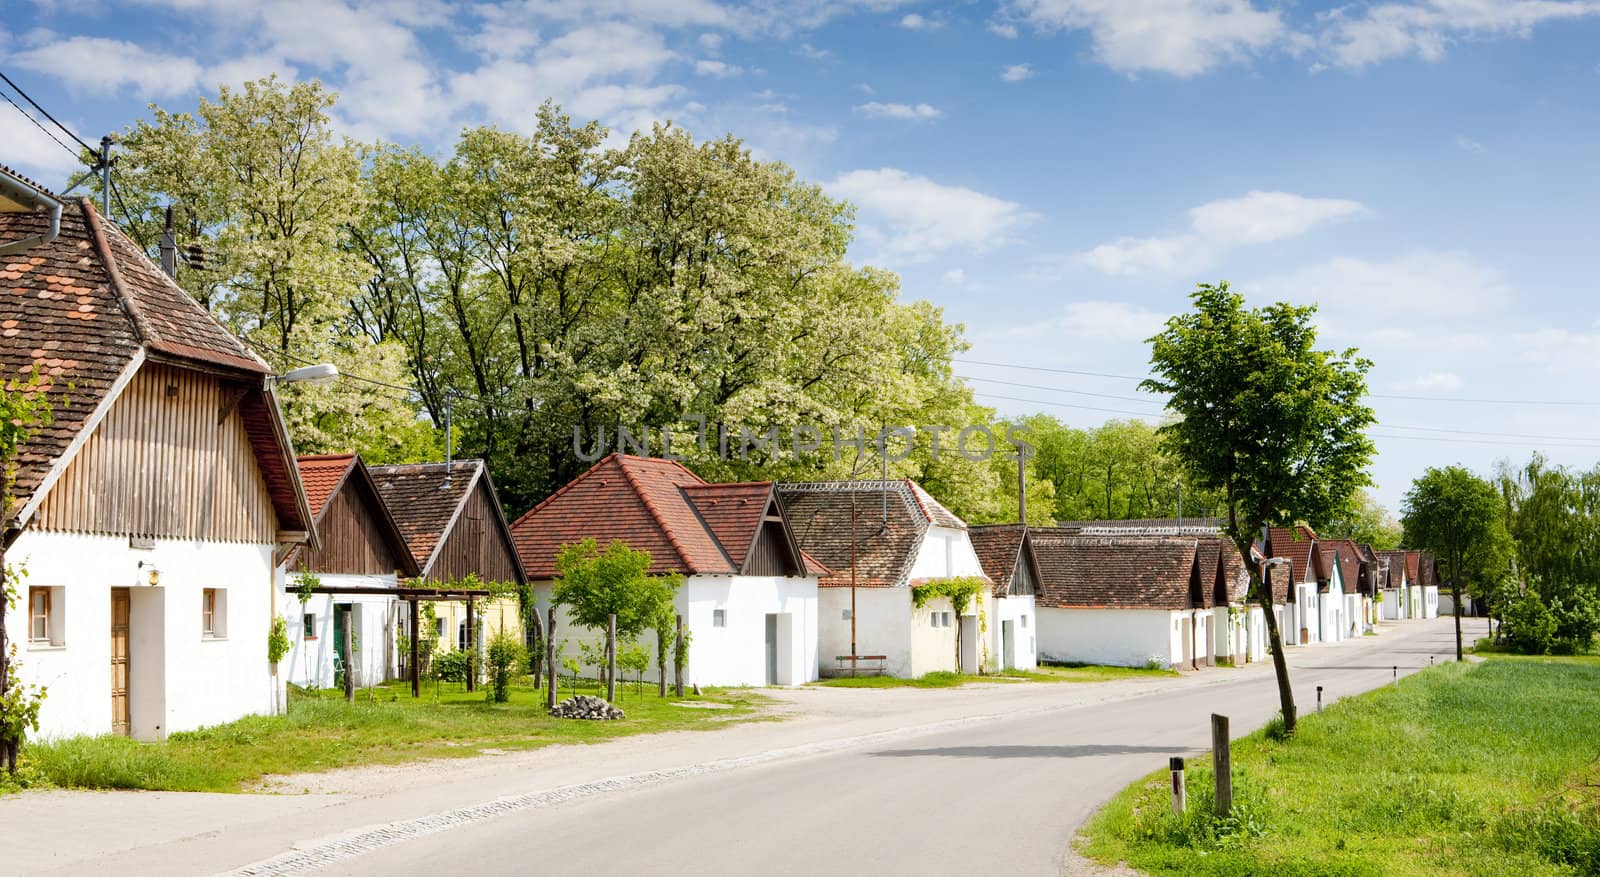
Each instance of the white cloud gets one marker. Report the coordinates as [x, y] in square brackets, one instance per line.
[1562, 351]
[1428, 27]
[1467, 144]
[954, 277]
[1002, 30]
[103, 66]
[1217, 227]
[909, 218]
[717, 69]
[31, 152]
[1180, 37]
[1110, 321]
[1432, 382]
[1017, 72]
[920, 112]
[864, 88]
[812, 53]
[711, 43]
[1421, 283]
[914, 21]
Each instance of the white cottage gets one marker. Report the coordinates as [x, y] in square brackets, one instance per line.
[1395, 604]
[1006, 553]
[362, 550]
[1123, 600]
[151, 512]
[749, 595]
[1237, 622]
[902, 538]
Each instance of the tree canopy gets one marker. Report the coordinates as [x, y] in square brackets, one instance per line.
[1275, 426]
[595, 583]
[1457, 516]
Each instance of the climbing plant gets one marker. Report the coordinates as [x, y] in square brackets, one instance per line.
[961, 590]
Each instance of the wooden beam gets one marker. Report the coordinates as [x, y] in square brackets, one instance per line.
[416, 653]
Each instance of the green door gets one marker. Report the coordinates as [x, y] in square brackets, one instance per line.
[340, 611]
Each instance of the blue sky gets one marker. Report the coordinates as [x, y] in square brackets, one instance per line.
[1056, 173]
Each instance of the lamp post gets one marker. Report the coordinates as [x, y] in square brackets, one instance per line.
[309, 374]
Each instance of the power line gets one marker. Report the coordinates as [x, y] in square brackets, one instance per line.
[1059, 390]
[46, 113]
[47, 132]
[1066, 405]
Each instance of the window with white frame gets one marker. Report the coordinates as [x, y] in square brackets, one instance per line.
[39, 615]
[719, 618]
[1024, 621]
[941, 618]
[214, 613]
[308, 625]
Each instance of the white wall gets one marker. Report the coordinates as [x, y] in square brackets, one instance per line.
[945, 553]
[1023, 616]
[736, 654]
[178, 681]
[1390, 608]
[933, 649]
[1122, 637]
[883, 627]
[1430, 602]
[310, 662]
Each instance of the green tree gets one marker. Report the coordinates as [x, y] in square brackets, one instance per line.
[1456, 515]
[595, 583]
[25, 407]
[1274, 425]
[1366, 521]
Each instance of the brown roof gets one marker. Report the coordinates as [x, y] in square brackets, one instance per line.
[426, 499]
[1144, 526]
[999, 548]
[325, 475]
[659, 506]
[885, 548]
[1297, 545]
[1116, 572]
[83, 308]
[1349, 562]
[1222, 571]
[322, 474]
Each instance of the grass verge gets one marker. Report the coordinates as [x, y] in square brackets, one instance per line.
[947, 679]
[384, 726]
[1470, 769]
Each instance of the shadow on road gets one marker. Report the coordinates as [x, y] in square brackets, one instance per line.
[1085, 750]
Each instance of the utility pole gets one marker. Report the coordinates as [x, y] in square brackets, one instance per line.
[169, 248]
[105, 175]
[1022, 485]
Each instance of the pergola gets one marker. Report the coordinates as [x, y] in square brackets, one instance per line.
[411, 596]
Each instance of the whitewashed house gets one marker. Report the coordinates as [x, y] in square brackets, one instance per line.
[1238, 623]
[903, 538]
[1126, 600]
[1006, 554]
[749, 594]
[152, 510]
[1396, 590]
[361, 550]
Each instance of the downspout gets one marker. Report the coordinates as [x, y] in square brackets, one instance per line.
[36, 199]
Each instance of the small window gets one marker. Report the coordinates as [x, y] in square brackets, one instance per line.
[845, 615]
[214, 613]
[461, 635]
[308, 625]
[438, 628]
[719, 618]
[940, 619]
[39, 615]
[1024, 621]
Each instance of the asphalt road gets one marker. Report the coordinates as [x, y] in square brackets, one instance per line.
[1000, 797]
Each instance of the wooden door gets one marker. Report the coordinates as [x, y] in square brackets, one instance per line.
[119, 661]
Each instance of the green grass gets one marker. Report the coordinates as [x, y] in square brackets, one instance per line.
[384, 726]
[1470, 769]
[948, 679]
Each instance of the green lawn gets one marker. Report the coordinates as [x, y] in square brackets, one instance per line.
[322, 732]
[946, 679]
[1474, 769]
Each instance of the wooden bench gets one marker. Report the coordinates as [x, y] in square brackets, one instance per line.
[851, 664]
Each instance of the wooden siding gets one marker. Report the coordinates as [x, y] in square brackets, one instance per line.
[476, 544]
[353, 540]
[771, 555]
[160, 465]
[1022, 583]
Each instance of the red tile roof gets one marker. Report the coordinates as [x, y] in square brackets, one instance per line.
[322, 474]
[1296, 544]
[659, 506]
[1116, 572]
[999, 548]
[82, 308]
[325, 475]
[424, 499]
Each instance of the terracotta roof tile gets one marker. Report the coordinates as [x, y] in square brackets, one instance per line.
[885, 549]
[321, 475]
[658, 506]
[999, 549]
[1116, 572]
[423, 498]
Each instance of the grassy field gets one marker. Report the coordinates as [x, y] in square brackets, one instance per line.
[1473, 769]
[946, 679]
[384, 725]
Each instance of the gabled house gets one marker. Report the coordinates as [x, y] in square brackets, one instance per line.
[1006, 553]
[882, 540]
[1397, 600]
[1238, 623]
[749, 593]
[361, 547]
[1124, 600]
[1315, 611]
[153, 508]
[1356, 567]
[452, 521]
[1423, 570]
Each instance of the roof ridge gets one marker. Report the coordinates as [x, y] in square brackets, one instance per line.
[655, 513]
[119, 288]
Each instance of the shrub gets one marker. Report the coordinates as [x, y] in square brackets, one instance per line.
[1577, 618]
[1529, 625]
[506, 657]
[451, 666]
[1276, 730]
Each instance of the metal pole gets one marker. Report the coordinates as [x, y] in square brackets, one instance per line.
[105, 175]
[1180, 792]
[1222, 764]
[611, 658]
[416, 652]
[1319, 698]
[853, 659]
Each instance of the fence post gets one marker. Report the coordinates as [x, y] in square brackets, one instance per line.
[1319, 699]
[1180, 793]
[1222, 764]
[677, 665]
[611, 658]
[349, 670]
[550, 659]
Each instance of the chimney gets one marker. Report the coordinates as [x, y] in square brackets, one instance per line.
[169, 248]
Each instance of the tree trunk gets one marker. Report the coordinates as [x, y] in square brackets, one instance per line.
[1455, 588]
[550, 659]
[611, 659]
[1280, 663]
[661, 662]
[677, 657]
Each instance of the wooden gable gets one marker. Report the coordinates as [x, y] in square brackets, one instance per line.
[172, 459]
[358, 536]
[477, 541]
[1025, 580]
[774, 551]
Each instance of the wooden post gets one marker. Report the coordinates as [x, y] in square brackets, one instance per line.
[661, 664]
[677, 662]
[550, 659]
[611, 658]
[471, 650]
[349, 668]
[416, 651]
[1222, 764]
[1180, 792]
[538, 665]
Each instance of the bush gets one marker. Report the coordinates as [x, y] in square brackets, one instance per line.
[1577, 619]
[451, 666]
[506, 657]
[1528, 625]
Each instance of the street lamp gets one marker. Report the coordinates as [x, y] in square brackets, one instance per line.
[309, 374]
